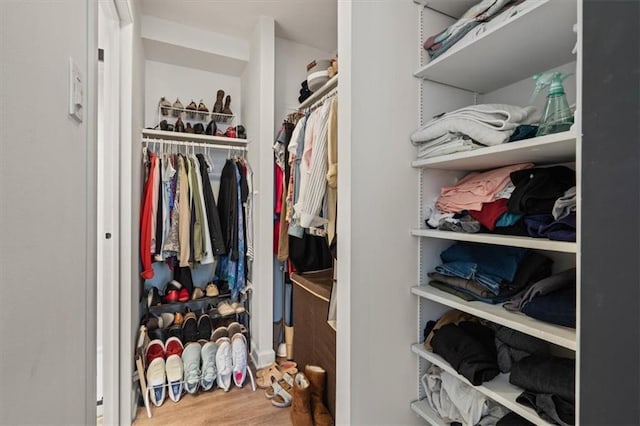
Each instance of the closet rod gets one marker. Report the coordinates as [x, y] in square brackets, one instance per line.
[320, 101]
[194, 144]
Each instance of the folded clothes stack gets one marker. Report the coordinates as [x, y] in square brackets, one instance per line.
[473, 127]
[481, 14]
[519, 199]
[488, 273]
[549, 384]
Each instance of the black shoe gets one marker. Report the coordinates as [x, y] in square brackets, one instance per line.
[164, 125]
[204, 327]
[160, 334]
[190, 328]
[198, 128]
[176, 331]
[211, 128]
[179, 126]
[153, 298]
[240, 130]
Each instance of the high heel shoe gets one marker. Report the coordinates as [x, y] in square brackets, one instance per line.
[179, 126]
[227, 103]
[164, 106]
[191, 107]
[178, 107]
[217, 107]
[203, 110]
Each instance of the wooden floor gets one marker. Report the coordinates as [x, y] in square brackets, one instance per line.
[239, 406]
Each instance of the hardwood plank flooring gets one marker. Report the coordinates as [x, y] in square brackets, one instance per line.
[239, 406]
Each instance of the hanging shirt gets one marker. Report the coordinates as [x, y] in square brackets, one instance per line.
[208, 250]
[185, 212]
[145, 221]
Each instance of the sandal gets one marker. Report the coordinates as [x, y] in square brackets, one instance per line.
[265, 381]
[289, 367]
[286, 383]
[282, 398]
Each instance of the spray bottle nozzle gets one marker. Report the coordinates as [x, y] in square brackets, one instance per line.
[548, 79]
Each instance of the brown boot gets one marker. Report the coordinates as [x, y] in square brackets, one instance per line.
[300, 411]
[227, 104]
[217, 107]
[317, 376]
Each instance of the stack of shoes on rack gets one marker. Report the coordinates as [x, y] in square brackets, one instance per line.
[198, 116]
[304, 92]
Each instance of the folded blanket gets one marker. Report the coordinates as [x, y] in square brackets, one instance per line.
[488, 124]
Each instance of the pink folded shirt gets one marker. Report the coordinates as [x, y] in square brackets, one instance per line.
[476, 188]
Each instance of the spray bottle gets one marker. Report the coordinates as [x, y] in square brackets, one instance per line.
[557, 115]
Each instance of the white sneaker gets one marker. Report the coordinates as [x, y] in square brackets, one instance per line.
[174, 377]
[209, 351]
[239, 353]
[191, 362]
[156, 381]
[224, 363]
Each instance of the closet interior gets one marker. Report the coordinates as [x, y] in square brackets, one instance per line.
[484, 349]
[207, 191]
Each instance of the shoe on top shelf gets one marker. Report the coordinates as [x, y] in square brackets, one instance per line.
[153, 298]
[191, 365]
[212, 290]
[224, 363]
[174, 371]
[183, 295]
[209, 371]
[197, 293]
[156, 380]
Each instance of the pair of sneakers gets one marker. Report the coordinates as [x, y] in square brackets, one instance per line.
[199, 366]
[231, 359]
[164, 366]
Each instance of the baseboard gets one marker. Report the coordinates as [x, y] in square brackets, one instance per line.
[262, 358]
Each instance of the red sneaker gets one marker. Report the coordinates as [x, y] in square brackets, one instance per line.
[155, 349]
[230, 132]
[183, 296]
[173, 346]
[171, 296]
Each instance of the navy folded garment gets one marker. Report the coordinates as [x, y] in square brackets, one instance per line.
[545, 226]
[487, 264]
[558, 307]
[549, 407]
[545, 374]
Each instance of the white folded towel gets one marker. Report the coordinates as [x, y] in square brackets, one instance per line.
[488, 124]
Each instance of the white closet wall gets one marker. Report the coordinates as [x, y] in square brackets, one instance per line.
[291, 61]
[379, 105]
[258, 98]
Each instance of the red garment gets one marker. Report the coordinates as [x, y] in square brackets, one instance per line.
[145, 222]
[490, 213]
[278, 179]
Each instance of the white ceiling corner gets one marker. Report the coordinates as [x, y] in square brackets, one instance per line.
[310, 22]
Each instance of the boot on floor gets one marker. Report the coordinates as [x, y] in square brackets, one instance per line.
[300, 411]
[317, 376]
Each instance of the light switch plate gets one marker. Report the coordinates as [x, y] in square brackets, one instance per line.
[76, 91]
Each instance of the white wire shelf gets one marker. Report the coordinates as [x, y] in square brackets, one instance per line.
[190, 114]
[204, 140]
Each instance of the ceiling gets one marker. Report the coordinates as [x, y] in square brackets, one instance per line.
[310, 22]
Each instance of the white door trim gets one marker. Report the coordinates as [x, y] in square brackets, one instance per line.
[108, 212]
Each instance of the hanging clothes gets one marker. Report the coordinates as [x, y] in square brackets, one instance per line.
[215, 231]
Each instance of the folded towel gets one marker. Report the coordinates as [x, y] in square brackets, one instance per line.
[488, 124]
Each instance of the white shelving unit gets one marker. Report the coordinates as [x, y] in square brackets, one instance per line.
[554, 148]
[424, 410]
[533, 40]
[498, 389]
[561, 336]
[500, 240]
[498, 61]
